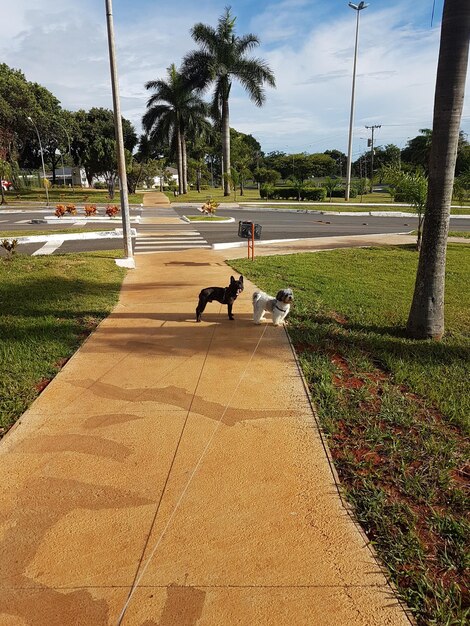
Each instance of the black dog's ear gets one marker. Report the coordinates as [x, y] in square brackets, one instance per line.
[280, 295]
[232, 279]
[241, 279]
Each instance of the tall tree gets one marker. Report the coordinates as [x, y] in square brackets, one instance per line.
[339, 158]
[426, 318]
[221, 59]
[171, 110]
[94, 144]
[417, 149]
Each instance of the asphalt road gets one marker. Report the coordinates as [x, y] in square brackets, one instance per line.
[275, 225]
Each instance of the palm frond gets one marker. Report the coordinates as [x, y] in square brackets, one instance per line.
[246, 43]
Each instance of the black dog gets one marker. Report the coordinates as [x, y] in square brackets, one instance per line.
[226, 295]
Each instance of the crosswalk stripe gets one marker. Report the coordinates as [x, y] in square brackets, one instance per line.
[168, 249]
[155, 239]
[174, 239]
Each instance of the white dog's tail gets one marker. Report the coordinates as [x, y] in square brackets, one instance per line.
[256, 296]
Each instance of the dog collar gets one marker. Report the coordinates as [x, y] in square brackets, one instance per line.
[279, 308]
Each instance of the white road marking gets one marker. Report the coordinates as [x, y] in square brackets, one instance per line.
[49, 247]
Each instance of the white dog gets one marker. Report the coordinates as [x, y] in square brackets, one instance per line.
[279, 306]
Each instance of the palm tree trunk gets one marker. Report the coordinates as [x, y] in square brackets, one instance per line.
[179, 160]
[426, 317]
[185, 163]
[226, 146]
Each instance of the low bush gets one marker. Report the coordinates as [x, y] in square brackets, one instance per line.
[112, 210]
[339, 193]
[90, 210]
[316, 194]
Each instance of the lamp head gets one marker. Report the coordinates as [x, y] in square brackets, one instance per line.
[358, 7]
[29, 118]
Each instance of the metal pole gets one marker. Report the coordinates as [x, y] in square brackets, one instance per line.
[372, 153]
[68, 142]
[63, 168]
[358, 8]
[42, 160]
[119, 137]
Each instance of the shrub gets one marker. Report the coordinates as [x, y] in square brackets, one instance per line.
[316, 194]
[112, 210]
[339, 193]
[90, 209]
[266, 191]
[59, 210]
[400, 196]
[100, 185]
[284, 193]
[209, 207]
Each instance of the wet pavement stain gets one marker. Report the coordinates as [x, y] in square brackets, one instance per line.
[82, 444]
[27, 525]
[50, 607]
[183, 606]
[110, 419]
[183, 399]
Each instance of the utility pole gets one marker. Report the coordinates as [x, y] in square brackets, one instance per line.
[358, 8]
[126, 231]
[370, 142]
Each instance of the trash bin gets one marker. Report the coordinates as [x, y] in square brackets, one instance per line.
[244, 230]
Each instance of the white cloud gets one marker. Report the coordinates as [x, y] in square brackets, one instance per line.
[63, 45]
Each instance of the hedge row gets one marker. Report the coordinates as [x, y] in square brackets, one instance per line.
[316, 194]
[339, 193]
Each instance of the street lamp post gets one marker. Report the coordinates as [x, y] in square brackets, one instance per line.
[70, 149]
[42, 160]
[120, 140]
[63, 167]
[358, 8]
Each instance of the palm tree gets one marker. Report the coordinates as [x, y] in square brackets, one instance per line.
[426, 318]
[171, 110]
[221, 59]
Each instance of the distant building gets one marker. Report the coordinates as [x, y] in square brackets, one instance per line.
[69, 177]
[171, 172]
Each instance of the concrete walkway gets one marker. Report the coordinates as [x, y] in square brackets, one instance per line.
[173, 474]
[155, 198]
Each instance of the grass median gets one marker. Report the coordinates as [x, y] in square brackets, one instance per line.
[14, 234]
[79, 195]
[49, 305]
[395, 411]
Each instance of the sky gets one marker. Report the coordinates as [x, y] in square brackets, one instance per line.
[309, 45]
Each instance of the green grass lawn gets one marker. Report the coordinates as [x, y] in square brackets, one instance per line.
[216, 193]
[69, 196]
[337, 204]
[49, 305]
[252, 195]
[395, 411]
[53, 231]
[460, 233]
